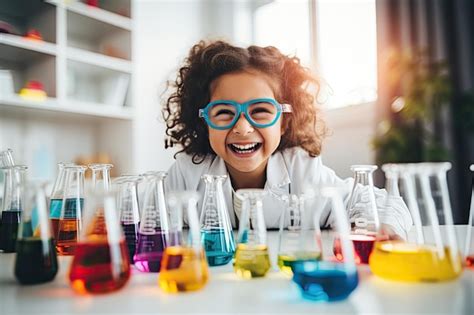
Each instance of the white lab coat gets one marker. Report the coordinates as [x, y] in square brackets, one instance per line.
[288, 171]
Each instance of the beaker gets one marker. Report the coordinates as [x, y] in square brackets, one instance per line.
[329, 279]
[362, 209]
[184, 266]
[56, 198]
[298, 238]
[153, 233]
[129, 209]
[469, 247]
[100, 175]
[36, 260]
[251, 256]
[101, 263]
[216, 229]
[12, 206]
[438, 257]
[70, 221]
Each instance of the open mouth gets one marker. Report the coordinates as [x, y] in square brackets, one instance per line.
[245, 148]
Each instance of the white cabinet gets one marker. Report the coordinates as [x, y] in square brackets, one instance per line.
[84, 63]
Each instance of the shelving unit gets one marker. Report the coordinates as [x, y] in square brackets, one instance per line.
[84, 63]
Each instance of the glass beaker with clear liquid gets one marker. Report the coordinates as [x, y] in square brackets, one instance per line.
[251, 256]
[69, 223]
[129, 209]
[100, 175]
[435, 256]
[216, 229]
[36, 260]
[56, 198]
[469, 247]
[329, 279]
[101, 263]
[153, 233]
[12, 206]
[299, 240]
[184, 266]
[362, 209]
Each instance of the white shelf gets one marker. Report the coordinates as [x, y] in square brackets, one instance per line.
[98, 14]
[16, 104]
[28, 44]
[100, 60]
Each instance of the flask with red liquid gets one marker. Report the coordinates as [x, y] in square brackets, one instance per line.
[469, 248]
[101, 263]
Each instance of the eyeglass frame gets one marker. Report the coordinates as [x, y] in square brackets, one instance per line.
[243, 108]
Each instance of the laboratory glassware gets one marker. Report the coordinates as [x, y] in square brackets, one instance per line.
[216, 229]
[101, 263]
[469, 247]
[36, 260]
[56, 198]
[100, 175]
[184, 266]
[251, 256]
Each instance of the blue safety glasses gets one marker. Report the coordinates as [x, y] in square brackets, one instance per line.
[260, 112]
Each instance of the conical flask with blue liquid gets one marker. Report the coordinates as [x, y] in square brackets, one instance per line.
[216, 229]
[56, 197]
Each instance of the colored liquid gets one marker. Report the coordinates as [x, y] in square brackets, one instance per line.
[36, 261]
[218, 245]
[470, 261]
[286, 261]
[410, 262]
[324, 281]
[55, 213]
[99, 267]
[9, 231]
[131, 238]
[149, 251]
[251, 261]
[67, 227]
[66, 240]
[363, 246]
[183, 269]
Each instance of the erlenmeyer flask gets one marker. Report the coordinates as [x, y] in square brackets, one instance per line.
[36, 260]
[6, 160]
[56, 198]
[101, 263]
[469, 248]
[129, 209]
[154, 227]
[70, 221]
[216, 230]
[100, 175]
[438, 258]
[300, 241]
[12, 206]
[329, 279]
[362, 210]
[251, 256]
[184, 266]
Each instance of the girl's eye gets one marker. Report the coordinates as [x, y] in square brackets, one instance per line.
[222, 112]
[260, 110]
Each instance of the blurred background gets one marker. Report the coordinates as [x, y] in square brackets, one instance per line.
[84, 80]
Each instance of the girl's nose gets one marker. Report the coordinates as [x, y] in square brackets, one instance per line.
[242, 126]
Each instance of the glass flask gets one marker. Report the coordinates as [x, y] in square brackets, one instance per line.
[469, 248]
[100, 175]
[184, 266]
[6, 160]
[329, 279]
[438, 257]
[129, 209]
[362, 210]
[36, 260]
[56, 198]
[12, 206]
[298, 238]
[216, 229]
[153, 233]
[251, 256]
[101, 263]
[69, 224]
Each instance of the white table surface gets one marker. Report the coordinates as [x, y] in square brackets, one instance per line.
[226, 293]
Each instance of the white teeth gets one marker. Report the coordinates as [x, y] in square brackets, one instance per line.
[245, 148]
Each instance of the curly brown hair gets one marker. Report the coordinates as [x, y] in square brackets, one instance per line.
[209, 60]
